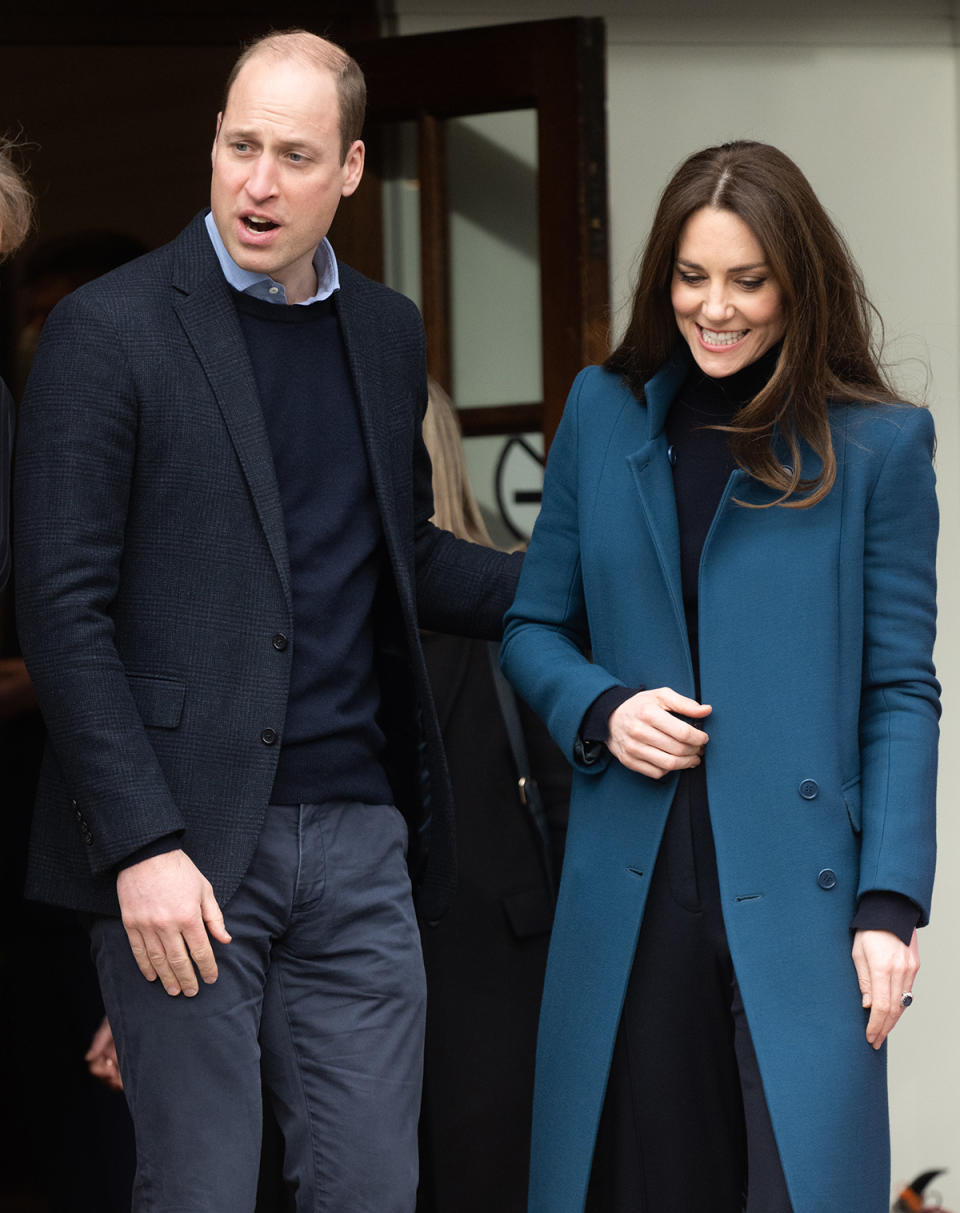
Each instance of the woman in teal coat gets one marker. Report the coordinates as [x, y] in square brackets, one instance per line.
[726, 618]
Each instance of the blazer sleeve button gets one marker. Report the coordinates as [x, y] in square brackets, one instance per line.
[827, 879]
[809, 789]
[280, 642]
[269, 736]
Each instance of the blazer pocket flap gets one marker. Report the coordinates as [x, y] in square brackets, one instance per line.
[529, 912]
[159, 700]
[851, 798]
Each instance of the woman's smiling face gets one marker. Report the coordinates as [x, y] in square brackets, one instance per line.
[728, 305]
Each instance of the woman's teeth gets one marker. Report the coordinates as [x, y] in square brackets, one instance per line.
[712, 337]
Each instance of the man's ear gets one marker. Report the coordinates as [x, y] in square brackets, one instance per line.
[216, 134]
[353, 163]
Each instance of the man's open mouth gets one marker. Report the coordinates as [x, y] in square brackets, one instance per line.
[254, 223]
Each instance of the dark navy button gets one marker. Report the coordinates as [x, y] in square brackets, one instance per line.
[672, 454]
[827, 879]
[268, 736]
[280, 642]
[809, 789]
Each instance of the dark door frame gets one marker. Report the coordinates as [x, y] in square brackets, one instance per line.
[556, 67]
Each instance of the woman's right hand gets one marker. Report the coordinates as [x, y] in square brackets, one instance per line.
[648, 736]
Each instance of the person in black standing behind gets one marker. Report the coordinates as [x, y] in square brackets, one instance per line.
[485, 959]
[73, 1150]
[16, 209]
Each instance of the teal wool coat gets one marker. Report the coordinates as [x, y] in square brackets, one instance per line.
[816, 631]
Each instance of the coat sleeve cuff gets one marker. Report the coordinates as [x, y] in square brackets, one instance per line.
[880, 910]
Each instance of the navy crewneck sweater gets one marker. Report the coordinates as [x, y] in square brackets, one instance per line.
[332, 743]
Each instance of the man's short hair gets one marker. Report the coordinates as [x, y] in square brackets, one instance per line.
[317, 52]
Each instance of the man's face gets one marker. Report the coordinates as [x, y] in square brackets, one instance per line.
[277, 176]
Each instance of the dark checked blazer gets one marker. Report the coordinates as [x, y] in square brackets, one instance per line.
[153, 576]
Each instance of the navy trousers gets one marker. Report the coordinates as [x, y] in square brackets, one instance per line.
[322, 992]
[685, 1123]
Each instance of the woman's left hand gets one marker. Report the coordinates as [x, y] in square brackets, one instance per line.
[886, 969]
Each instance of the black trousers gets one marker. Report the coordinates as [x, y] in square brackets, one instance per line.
[685, 1124]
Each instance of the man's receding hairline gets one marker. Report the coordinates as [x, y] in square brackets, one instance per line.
[277, 56]
[301, 47]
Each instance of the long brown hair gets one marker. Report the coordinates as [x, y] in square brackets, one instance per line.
[828, 354]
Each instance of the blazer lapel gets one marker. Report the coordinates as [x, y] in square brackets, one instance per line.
[362, 341]
[210, 322]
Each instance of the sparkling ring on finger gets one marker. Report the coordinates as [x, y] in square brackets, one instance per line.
[906, 998]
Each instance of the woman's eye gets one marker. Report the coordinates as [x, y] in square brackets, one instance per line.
[752, 284]
[691, 279]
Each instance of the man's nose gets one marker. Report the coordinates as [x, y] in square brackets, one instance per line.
[262, 180]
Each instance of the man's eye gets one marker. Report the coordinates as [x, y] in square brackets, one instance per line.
[297, 157]
[241, 147]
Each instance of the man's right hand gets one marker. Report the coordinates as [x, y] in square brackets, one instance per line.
[168, 908]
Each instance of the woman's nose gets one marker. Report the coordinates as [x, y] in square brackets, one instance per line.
[717, 306]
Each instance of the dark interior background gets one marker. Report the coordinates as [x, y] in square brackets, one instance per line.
[116, 111]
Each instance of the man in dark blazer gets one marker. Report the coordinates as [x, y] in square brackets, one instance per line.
[224, 554]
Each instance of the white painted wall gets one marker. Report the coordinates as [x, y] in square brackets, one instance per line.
[863, 94]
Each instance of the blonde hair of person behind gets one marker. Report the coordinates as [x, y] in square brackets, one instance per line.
[455, 507]
[16, 202]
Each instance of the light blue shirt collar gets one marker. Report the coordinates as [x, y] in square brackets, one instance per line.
[262, 286]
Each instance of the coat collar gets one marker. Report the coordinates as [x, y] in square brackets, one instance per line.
[659, 392]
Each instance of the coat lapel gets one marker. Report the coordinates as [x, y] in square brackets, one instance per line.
[652, 474]
[210, 322]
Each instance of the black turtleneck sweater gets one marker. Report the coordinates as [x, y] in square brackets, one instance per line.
[702, 463]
